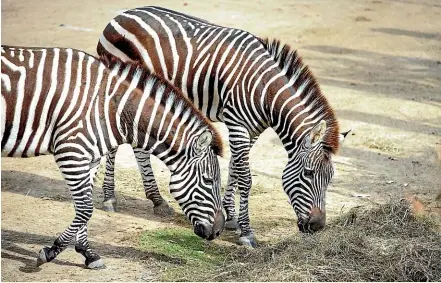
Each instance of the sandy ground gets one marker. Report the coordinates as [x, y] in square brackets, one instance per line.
[378, 62]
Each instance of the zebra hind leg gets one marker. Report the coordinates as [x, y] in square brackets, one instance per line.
[240, 146]
[160, 205]
[229, 196]
[229, 199]
[110, 203]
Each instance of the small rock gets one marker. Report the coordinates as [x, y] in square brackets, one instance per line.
[405, 184]
[390, 182]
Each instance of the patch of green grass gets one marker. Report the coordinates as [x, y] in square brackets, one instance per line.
[182, 253]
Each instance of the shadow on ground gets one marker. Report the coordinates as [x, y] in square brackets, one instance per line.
[11, 239]
[379, 74]
[33, 185]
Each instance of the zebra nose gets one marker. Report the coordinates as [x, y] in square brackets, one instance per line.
[203, 230]
[315, 222]
[211, 232]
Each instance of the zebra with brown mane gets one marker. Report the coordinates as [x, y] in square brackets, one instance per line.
[67, 103]
[250, 85]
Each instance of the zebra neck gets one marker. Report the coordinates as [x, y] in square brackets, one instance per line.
[163, 128]
[293, 113]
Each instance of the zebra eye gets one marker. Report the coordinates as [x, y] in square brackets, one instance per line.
[309, 173]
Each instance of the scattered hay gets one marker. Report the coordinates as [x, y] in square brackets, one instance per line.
[385, 243]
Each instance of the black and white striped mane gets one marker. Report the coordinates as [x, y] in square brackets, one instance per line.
[290, 61]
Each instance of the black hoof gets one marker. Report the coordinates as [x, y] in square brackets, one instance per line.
[94, 262]
[43, 256]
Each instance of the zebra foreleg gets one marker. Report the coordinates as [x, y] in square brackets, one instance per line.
[77, 175]
[160, 205]
[82, 246]
[109, 203]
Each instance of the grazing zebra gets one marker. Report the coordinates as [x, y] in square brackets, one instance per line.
[249, 84]
[67, 103]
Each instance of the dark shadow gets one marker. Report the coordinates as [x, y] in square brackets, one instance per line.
[30, 264]
[10, 239]
[418, 34]
[374, 170]
[378, 74]
[389, 122]
[36, 186]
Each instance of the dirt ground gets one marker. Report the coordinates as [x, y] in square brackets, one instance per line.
[378, 63]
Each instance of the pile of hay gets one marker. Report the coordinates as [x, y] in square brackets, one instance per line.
[384, 243]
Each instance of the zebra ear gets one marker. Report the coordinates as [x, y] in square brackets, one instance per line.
[318, 132]
[203, 141]
[342, 136]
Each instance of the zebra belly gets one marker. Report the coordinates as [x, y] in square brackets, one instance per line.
[20, 146]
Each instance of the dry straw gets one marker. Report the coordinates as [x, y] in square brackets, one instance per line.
[382, 243]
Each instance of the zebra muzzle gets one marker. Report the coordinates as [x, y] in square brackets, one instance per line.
[208, 231]
[315, 222]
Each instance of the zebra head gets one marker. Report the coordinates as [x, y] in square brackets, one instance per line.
[196, 185]
[307, 176]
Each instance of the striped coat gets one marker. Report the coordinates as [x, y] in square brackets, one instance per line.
[67, 103]
[248, 83]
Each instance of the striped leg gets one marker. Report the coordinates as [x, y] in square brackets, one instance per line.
[82, 244]
[109, 203]
[240, 148]
[160, 205]
[78, 175]
[229, 196]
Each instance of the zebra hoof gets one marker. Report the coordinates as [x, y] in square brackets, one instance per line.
[163, 209]
[109, 205]
[248, 241]
[97, 264]
[41, 257]
[231, 224]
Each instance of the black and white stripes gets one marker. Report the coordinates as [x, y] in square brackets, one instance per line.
[67, 103]
[248, 83]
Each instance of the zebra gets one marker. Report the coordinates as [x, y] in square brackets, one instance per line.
[248, 83]
[67, 103]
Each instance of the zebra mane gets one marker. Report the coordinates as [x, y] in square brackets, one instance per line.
[170, 93]
[290, 61]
